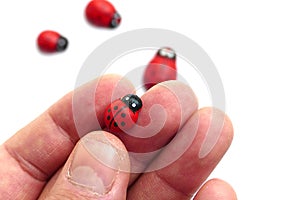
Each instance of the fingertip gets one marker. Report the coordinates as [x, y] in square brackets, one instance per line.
[173, 94]
[115, 83]
[218, 131]
[97, 168]
[216, 189]
[221, 116]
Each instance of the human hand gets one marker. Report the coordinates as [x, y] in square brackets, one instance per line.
[58, 156]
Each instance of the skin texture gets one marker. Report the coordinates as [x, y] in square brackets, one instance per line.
[36, 160]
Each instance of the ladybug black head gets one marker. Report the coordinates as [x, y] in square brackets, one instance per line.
[167, 53]
[62, 43]
[115, 21]
[133, 102]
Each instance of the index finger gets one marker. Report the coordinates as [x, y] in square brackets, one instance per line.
[38, 150]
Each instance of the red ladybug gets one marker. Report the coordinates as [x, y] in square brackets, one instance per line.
[51, 41]
[102, 13]
[161, 68]
[122, 113]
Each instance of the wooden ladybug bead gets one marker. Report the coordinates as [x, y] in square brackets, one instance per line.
[123, 113]
[102, 13]
[51, 41]
[161, 68]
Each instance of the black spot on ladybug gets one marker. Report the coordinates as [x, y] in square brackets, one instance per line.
[109, 110]
[123, 115]
[122, 123]
[116, 108]
[108, 118]
[115, 124]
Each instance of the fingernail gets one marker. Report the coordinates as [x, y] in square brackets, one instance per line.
[213, 132]
[96, 163]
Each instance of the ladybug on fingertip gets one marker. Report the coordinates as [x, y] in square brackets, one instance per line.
[51, 41]
[161, 68]
[122, 114]
[102, 13]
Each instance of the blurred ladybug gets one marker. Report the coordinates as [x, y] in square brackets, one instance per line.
[123, 113]
[51, 41]
[102, 13]
[161, 68]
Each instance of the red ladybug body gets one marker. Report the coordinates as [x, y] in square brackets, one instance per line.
[161, 68]
[51, 41]
[123, 113]
[102, 13]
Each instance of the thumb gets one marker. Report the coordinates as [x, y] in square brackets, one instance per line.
[98, 168]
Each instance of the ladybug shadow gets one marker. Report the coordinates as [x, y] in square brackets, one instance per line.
[49, 54]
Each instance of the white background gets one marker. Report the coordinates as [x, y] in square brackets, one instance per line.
[255, 46]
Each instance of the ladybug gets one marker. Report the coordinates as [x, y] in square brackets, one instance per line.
[51, 41]
[161, 68]
[102, 13]
[123, 113]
